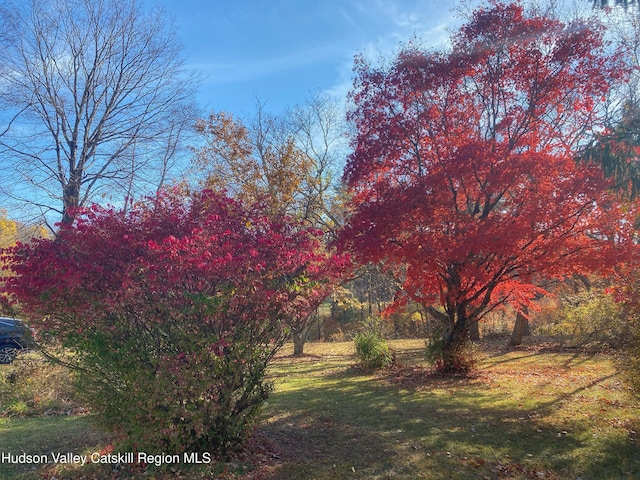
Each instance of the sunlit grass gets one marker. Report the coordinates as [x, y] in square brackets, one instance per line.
[45, 435]
[525, 414]
[33, 386]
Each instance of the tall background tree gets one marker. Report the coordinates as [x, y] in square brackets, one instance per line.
[292, 159]
[463, 174]
[616, 146]
[94, 99]
[289, 161]
[617, 150]
[626, 4]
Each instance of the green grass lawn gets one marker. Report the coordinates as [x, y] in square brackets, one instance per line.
[44, 435]
[526, 414]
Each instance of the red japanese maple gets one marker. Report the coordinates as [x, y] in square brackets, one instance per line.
[462, 175]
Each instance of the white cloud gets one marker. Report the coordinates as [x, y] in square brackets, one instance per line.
[384, 26]
[253, 67]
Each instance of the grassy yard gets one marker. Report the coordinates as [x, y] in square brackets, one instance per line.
[44, 435]
[528, 413]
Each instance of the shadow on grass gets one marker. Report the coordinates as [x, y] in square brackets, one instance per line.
[358, 426]
[508, 354]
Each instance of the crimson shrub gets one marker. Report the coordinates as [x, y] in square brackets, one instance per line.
[172, 310]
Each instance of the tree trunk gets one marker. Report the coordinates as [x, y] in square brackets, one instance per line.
[299, 338]
[300, 335]
[526, 332]
[474, 332]
[454, 343]
[70, 198]
[520, 329]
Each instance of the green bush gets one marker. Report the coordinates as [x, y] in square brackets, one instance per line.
[372, 350]
[593, 318]
[433, 350]
[206, 399]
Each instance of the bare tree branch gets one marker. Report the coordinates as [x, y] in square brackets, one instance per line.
[98, 97]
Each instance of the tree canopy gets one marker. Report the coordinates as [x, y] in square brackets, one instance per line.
[463, 174]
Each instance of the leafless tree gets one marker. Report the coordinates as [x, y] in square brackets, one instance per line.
[94, 101]
[319, 128]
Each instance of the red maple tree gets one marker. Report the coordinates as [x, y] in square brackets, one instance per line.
[463, 175]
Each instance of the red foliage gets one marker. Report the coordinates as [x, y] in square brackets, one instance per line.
[173, 309]
[172, 249]
[463, 174]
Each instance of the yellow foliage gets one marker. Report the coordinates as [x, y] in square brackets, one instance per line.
[8, 230]
[12, 231]
[261, 164]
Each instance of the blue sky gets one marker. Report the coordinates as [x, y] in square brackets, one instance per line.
[282, 50]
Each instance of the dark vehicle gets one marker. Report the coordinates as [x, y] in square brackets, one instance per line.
[13, 337]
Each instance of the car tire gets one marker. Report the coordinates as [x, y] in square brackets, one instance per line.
[7, 353]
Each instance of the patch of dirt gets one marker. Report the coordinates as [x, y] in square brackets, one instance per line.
[511, 470]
